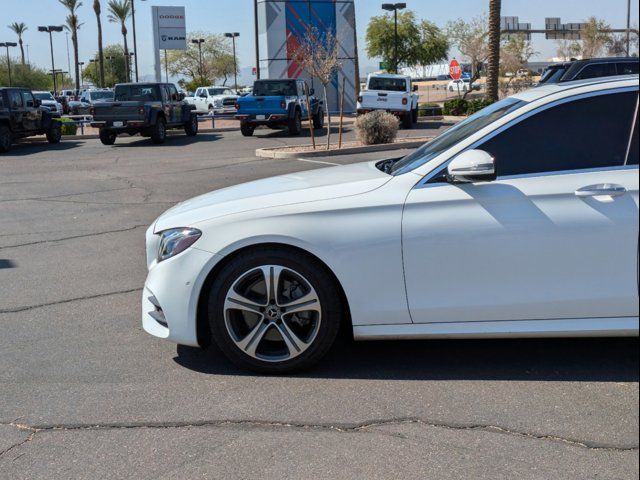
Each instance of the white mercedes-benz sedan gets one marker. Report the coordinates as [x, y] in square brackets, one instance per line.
[520, 221]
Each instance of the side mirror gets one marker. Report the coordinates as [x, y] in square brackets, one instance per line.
[311, 91]
[415, 88]
[181, 96]
[37, 102]
[471, 166]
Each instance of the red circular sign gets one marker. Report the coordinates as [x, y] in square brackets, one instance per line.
[454, 70]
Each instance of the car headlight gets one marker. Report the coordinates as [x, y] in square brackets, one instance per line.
[176, 240]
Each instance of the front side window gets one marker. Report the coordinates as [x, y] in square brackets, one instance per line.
[15, 99]
[590, 132]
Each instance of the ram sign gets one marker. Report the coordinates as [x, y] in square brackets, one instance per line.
[169, 32]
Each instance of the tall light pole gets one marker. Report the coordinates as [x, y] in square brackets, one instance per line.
[50, 29]
[394, 7]
[199, 42]
[111, 58]
[233, 36]
[255, 33]
[135, 43]
[128, 60]
[80, 64]
[628, 25]
[7, 45]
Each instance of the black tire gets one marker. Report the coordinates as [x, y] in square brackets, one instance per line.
[191, 127]
[331, 316]
[246, 129]
[159, 131]
[107, 137]
[5, 139]
[318, 119]
[407, 120]
[295, 124]
[54, 135]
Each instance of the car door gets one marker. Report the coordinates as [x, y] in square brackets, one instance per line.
[555, 236]
[176, 104]
[31, 115]
[16, 107]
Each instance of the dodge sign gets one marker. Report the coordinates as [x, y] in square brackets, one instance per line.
[169, 28]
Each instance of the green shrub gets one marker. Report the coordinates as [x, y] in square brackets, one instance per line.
[478, 104]
[376, 127]
[457, 107]
[68, 126]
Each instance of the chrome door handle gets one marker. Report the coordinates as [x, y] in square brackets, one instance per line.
[601, 189]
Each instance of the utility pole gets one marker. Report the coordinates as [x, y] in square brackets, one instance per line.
[394, 7]
[199, 42]
[233, 36]
[7, 45]
[50, 29]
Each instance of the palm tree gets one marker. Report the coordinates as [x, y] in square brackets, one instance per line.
[119, 12]
[73, 24]
[19, 29]
[493, 59]
[97, 10]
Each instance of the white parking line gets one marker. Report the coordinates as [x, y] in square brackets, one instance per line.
[317, 161]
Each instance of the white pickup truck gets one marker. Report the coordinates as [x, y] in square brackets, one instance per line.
[214, 100]
[392, 93]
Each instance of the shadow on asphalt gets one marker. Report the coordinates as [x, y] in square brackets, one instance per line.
[562, 359]
[171, 141]
[28, 147]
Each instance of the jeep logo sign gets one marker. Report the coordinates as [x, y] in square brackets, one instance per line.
[169, 28]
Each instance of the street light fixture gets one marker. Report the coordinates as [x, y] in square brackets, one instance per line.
[50, 29]
[7, 45]
[394, 7]
[233, 36]
[199, 42]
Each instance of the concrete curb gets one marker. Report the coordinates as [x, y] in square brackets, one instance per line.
[279, 152]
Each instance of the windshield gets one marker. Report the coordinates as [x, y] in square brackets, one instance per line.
[43, 96]
[390, 84]
[137, 92]
[216, 91]
[268, 88]
[101, 95]
[454, 135]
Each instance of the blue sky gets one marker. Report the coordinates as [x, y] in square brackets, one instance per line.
[218, 16]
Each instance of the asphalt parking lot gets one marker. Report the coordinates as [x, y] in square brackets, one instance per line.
[86, 393]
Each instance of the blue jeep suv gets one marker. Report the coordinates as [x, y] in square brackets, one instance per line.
[278, 104]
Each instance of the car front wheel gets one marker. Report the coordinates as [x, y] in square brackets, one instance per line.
[191, 127]
[273, 311]
[54, 135]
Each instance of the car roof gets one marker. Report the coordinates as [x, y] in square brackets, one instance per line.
[601, 83]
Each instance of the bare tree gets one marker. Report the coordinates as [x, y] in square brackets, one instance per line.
[594, 39]
[471, 40]
[317, 53]
[567, 49]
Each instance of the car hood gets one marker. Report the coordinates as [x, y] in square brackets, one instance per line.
[293, 188]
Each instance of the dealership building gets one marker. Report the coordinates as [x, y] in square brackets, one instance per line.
[282, 24]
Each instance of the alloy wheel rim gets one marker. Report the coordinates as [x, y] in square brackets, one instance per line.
[272, 313]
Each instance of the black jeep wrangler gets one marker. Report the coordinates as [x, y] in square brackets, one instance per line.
[21, 115]
[145, 108]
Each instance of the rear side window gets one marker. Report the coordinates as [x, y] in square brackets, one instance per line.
[627, 68]
[590, 132]
[596, 70]
[15, 99]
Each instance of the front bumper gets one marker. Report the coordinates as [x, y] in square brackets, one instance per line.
[171, 292]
